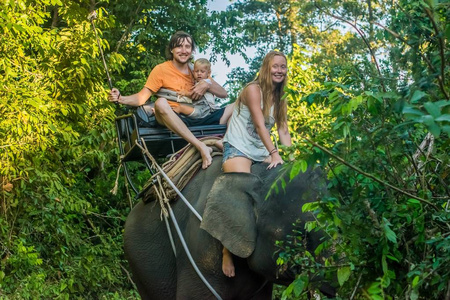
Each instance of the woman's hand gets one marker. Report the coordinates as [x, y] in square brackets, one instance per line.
[275, 160]
[114, 95]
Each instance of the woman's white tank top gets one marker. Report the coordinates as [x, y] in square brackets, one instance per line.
[242, 135]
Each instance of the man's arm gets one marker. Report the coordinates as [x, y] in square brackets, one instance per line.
[137, 99]
[202, 87]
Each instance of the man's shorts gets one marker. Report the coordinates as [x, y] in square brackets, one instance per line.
[211, 119]
[202, 109]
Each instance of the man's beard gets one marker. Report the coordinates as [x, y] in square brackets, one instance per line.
[180, 61]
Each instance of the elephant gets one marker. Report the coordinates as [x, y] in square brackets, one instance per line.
[252, 225]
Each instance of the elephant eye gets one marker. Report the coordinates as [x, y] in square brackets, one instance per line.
[278, 233]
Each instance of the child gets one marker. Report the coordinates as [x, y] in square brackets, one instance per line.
[206, 104]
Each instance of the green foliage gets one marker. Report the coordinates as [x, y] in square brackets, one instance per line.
[369, 104]
[61, 229]
[378, 125]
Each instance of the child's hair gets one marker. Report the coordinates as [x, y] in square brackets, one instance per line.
[202, 62]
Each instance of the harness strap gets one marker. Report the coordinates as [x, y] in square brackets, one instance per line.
[166, 220]
[188, 253]
[180, 168]
[161, 171]
[174, 221]
[172, 96]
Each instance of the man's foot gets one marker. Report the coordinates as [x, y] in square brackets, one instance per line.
[219, 144]
[227, 263]
[205, 152]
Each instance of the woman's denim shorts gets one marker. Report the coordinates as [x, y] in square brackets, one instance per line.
[230, 152]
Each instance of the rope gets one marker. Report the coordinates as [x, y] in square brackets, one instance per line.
[186, 249]
[163, 201]
[161, 171]
[181, 168]
[116, 184]
[166, 220]
[172, 215]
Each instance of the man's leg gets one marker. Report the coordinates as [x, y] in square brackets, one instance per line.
[165, 116]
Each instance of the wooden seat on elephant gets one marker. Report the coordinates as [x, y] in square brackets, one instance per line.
[160, 142]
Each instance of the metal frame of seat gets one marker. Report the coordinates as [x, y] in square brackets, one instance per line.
[160, 142]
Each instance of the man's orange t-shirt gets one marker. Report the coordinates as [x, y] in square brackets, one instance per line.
[166, 76]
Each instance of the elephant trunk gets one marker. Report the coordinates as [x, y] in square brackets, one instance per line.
[278, 215]
[229, 215]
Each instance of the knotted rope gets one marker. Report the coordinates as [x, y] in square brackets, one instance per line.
[164, 203]
[180, 168]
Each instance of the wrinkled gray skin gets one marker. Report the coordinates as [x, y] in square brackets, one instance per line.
[158, 274]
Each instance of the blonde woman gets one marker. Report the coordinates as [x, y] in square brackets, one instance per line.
[247, 140]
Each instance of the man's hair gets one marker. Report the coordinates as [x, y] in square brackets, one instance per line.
[177, 40]
[203, 62]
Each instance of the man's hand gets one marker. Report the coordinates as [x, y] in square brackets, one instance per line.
[114, 95]
[199, 90]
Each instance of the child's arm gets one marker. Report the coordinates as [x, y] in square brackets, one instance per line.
[202, 87]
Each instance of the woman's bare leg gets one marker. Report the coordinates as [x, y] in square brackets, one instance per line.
[235, 164]
[227, 114]
[227, 263]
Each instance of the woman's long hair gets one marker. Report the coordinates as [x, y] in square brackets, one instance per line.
[270, 93]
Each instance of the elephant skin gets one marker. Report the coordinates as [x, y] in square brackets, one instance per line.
[159, 274]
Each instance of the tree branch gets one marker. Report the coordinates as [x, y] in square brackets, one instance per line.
[356, 286]
[122, 38]
[55, 16]
[361, 34]
[430, 65]
[128, 276]
[441, 51]
[370, 175]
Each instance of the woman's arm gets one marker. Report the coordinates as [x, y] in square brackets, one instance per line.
[252, 98]
[285, 136]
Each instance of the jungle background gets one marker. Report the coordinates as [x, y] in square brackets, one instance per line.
[368, 102]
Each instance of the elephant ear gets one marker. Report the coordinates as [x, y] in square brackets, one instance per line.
[229, 215]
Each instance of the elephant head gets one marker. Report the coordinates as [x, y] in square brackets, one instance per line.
[238, 214]
[248, 224]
